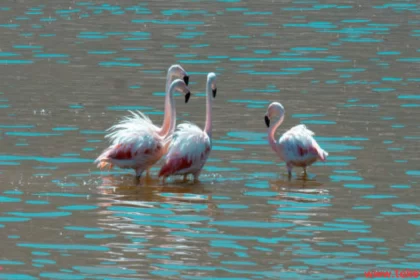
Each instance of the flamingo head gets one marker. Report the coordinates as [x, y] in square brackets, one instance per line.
[180, 86]
[176, 71]
[211, 79]
[274, 109]
[267, 121]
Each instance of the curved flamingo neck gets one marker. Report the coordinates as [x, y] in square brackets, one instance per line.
[271, 131]
[169, 78]
[172, 116]
[208, 127]
[168, 113]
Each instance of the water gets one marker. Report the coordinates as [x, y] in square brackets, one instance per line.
[349, 71]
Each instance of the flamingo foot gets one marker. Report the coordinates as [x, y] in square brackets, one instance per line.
[289, 171]
[196, 177]
[148, 176]
[137, 180]
[138, 177]
[305, 174]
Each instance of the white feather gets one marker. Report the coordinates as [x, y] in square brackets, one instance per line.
[296, 138]
[137, 136]
[301, 129]
[131, 127]
[191, 143]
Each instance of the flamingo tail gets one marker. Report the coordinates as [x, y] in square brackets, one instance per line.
[322, 154]
[102, 162]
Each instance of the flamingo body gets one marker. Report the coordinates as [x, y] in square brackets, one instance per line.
[188, 151]
[299, 148]
[137, 148]
[296, 147]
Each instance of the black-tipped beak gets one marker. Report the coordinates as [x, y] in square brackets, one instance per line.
[186, 79]
[187, 97]
[214, 92]
[267, 121]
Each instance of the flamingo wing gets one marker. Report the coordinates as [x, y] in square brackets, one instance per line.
[301, 129]
[299, 144]
[188, 151]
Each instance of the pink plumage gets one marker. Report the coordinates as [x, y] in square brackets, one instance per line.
[296, 147]
[136, 142]
[190, 146]
[138, 148]
[188, 151]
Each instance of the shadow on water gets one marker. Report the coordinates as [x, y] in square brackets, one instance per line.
[124, 192]
[124, 188]
[301, 182]
[126, 185]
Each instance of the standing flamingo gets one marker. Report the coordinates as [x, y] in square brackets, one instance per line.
[191, 146]
[136, 143]
[296, 146]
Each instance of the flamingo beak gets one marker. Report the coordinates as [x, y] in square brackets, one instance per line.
[186, 80]
[267, 121]
[187, 97]
[214, 92]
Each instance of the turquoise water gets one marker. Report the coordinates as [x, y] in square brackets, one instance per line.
[348, 71]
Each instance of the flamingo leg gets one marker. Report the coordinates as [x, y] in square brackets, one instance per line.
[304, 172]
[148, 176]
[139, 172]
[137, 180]
[196, 175]
[289, 170]
[185, 177]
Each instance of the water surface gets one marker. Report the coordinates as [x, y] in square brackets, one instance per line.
[349, 71]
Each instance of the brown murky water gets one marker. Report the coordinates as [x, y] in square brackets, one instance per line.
[348, 70]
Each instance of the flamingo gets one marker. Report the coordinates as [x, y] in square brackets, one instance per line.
[138, 144]
[191, 146]
[296, 146]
